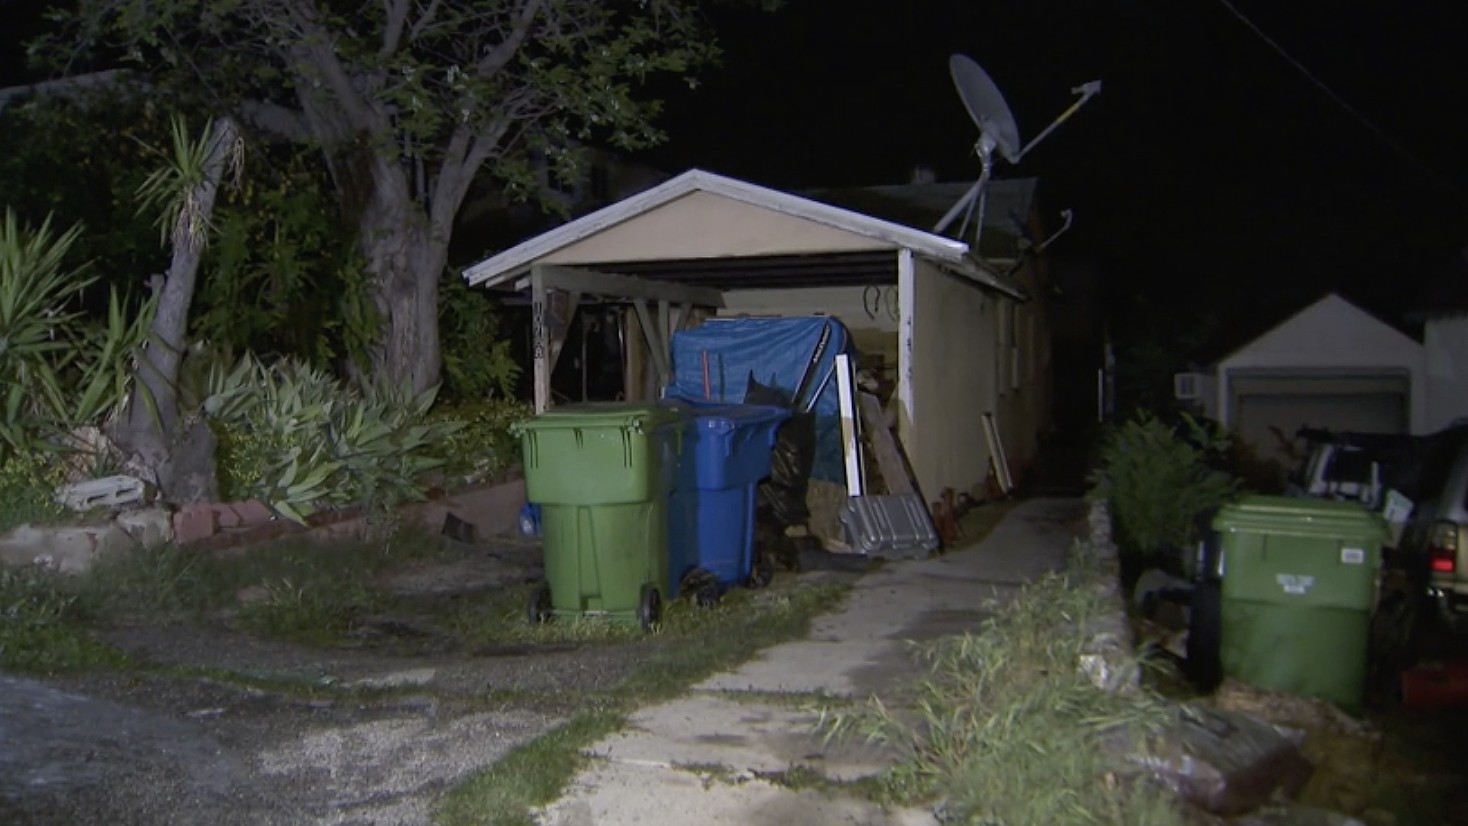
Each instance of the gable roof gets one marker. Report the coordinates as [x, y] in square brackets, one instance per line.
[1331, 303]
[950, 253]
[1008, 204]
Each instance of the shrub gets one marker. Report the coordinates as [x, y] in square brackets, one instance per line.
[28, 481]
[484, 445]
[294, 437]
[1159, 482]
[477, 362]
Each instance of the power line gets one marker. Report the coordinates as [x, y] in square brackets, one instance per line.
[1396, 146]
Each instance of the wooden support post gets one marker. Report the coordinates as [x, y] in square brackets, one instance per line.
[540, 340]
[652, 334]
[665, 329]
[633, 380]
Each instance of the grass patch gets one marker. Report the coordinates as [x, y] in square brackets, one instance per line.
[690, 644]
[42, 629]
[530, 775]
[1006, 729]
[305, 590]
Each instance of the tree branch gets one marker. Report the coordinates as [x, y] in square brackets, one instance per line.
[276, 119]
[396, 12]
[315, 50]
[501, 54]
[425, 20]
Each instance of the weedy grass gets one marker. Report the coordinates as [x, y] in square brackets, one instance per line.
[311, 591]
[689, 644]
[1006, 728]
[530, 775]
[42, 629]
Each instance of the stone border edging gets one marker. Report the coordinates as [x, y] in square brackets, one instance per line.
[1110, 660]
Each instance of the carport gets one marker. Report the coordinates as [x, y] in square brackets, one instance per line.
[702, 244]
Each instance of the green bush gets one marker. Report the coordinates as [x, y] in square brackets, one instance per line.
[28, 482]
[477, 363]
[1158, 482]
[483, 446]
[59, 368]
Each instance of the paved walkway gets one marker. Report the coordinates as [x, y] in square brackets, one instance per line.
[707, 757]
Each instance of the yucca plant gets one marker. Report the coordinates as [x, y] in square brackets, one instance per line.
[59, 368]
[300, 440]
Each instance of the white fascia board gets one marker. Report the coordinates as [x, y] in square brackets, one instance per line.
[506, 265]
[979, 274]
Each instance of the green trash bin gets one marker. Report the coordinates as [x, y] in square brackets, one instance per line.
[602, 474]
[1299, 586]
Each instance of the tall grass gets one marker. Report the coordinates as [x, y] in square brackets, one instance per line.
[1006, 728]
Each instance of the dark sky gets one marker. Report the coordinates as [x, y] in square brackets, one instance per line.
[1208, 165]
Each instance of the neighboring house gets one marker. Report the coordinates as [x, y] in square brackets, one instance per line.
[961, 333]
[1443, 312]
[1331, 365]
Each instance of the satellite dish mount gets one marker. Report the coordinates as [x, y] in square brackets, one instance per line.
[998, 130]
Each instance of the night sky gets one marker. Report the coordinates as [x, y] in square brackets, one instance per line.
[1210, 171]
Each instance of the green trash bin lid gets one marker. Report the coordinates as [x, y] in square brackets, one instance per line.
[635, 416]
[1300, 517]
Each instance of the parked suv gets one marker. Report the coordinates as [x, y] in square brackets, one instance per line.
[1435, 542]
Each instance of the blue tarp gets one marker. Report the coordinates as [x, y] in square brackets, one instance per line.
[776, 351]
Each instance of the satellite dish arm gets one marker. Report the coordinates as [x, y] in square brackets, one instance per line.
[961, 206]
[1086, 92]
[1069, 217]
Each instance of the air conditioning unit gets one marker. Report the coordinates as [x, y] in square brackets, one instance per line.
[1187, 386]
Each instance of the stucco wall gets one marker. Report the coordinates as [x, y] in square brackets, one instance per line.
[1022, 379]
[953, 359]
[1446, 347]
[850, 304]
[704, 225]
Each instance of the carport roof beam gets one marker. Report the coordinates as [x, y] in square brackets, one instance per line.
[591, 282]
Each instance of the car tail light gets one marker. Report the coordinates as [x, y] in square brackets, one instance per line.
[1442, 548]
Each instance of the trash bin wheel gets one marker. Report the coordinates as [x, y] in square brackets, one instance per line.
[707, 596]
[1204, 632]
[762, 574]
[701, 586]
[538, 609]
[650, 607]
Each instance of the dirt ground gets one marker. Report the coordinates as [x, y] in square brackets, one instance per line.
[186, 742]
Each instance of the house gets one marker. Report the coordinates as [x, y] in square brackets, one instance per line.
[1331, 365]
[962, 334]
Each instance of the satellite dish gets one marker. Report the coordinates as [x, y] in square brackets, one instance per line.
[997, 130]
[986, 105]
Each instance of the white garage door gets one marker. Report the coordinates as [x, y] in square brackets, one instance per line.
[1264, 407]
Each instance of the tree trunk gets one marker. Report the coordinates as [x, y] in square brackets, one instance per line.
[152, 417]
[405, 260]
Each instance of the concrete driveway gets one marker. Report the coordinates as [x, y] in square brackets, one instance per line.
[716, 755]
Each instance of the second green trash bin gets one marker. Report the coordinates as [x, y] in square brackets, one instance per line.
[601, 474]
[1299, 586]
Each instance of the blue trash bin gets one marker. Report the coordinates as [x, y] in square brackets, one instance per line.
[727, 451]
